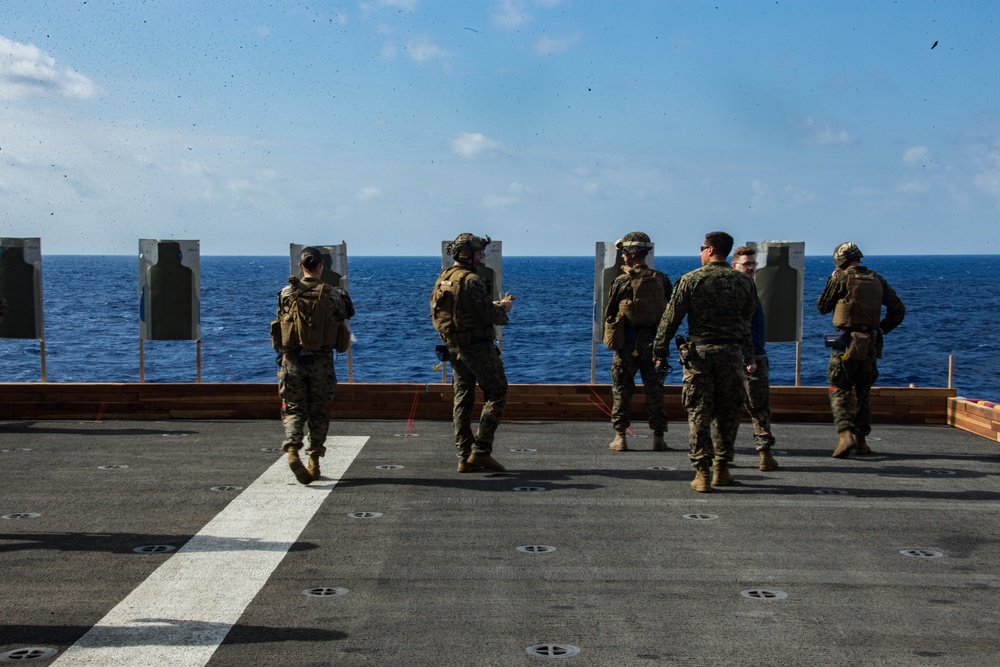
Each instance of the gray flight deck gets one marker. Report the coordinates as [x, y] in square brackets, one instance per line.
[798, 566]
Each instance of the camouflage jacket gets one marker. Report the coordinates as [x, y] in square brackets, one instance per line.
[836, 289]
[718, 302]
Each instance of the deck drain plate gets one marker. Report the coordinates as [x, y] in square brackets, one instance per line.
[921, 553]
[115, 466]
[701, 517]
[762, 594]
[530, 489]
[22, 515]
[226, 488]
[553, 650]
[523, 450]
[536, 549]
[154, 549]
[364, 515]
[389, 466]
[662, 468]
[28, 654]
[831, 492]
[325, 591]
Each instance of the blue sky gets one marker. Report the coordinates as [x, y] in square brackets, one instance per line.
[547, 124]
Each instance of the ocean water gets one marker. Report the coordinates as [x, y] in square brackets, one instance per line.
[92, 333]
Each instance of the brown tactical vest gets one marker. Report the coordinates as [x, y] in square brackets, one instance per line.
[861, 308]
[648, 301]
[454, 315]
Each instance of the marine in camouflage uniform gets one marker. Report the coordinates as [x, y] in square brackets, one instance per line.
[856, 295]
[307, 380]
[758, 383]
[718, 302]
[637, 354]
[474, 357]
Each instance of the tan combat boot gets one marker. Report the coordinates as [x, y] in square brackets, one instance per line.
[483, 460]
[722, 476]
[701, 482]
[465, 466]
[313, 467]
[845, 444]
[767, 461]
[299, 470]
[659, 444]
[863, 449]
[619, 444]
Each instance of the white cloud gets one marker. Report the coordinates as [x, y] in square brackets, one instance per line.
[368, 7]
[913, 187]
[408, 5]
[916, 156]
[498, 201]
[988, 182]
[514, 190]
[27, 71]
[796, 196]
[820, 133]
[548, 45]
[987, 162]
[369, 193]
[423, 49]
[510, 15]
[471, 144]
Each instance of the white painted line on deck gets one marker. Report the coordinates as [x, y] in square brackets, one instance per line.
[181, 613]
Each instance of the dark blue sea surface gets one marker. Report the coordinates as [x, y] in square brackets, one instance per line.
[92, 330]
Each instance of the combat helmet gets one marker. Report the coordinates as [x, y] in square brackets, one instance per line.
[465, 245]
[845, 253]
[635, 243]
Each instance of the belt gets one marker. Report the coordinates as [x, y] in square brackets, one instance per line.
[716, 341]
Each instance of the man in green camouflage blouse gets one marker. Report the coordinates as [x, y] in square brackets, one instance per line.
[718, 302]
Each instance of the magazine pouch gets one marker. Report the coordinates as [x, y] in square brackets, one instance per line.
[858, 348]
[614, 332]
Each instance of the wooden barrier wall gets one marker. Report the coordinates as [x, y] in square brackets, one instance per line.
[979, 417]
[147, 401]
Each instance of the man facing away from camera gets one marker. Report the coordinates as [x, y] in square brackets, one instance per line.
[464, 315]
[310, 318]
[856, 295]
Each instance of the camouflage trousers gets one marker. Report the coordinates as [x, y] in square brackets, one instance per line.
[759, 403]
[713, 395]
[478, 362]
[306, 390]
[634, 359]
[852, 378]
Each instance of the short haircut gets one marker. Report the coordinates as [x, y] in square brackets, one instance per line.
[310, 257]
[744, 251]
[720, 241]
